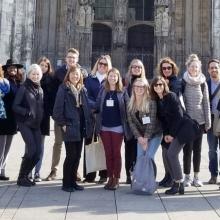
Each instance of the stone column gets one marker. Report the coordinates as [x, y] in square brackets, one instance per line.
[119, 35]
[162, 21]
[216, 28]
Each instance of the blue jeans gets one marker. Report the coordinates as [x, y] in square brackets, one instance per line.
[214, 145]
[153, 145]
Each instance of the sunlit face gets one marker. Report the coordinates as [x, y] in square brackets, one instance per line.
[139, 88]
[74, 77]
[159, 88]
[72, 59]
[112, 78]
[102, 66]
[136, 68]
[44, 67]
[12, 70]
[194, 68]
[214, 70]
[167, 69]
[35, 76]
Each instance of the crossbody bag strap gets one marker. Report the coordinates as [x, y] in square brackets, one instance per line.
[215, 92]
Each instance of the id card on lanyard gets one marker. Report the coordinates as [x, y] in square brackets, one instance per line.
[145, 120]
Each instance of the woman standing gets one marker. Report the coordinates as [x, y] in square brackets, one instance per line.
[142, 117]
[8, 125]
[72, 112]
[28, 108]
[177, 129]
[168, 69]
[135, 70]
[93, 84]
[196, 99]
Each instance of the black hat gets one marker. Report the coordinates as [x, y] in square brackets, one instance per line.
[11, 62]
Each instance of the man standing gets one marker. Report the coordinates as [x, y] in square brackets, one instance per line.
[72, 58]
[214, 95]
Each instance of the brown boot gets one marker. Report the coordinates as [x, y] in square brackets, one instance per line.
[115, 184]
[109, 183]
[52, 175]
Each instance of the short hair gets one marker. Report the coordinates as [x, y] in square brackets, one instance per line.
[119, 85]
[34, 67]
[108, 60]
[73, 50]
[47, 61]
[154, 82]
[214, 61]
[72, 69]
[175, 69]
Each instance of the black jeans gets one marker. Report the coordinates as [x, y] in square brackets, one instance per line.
[130, 154]
[71, 162]
[195, 148]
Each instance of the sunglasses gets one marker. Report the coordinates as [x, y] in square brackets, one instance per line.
[166, 67]
[136, 67]
[158, 84]
[103, 64]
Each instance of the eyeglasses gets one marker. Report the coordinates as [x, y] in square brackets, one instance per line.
[166, 67]
[136, 67]
[103, 64]
[138, 87]
[158, 84]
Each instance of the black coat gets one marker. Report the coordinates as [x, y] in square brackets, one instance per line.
[65, 113]
[28, 105]
[8, 126]
[173, 119]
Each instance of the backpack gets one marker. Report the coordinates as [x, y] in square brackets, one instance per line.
[144, 176]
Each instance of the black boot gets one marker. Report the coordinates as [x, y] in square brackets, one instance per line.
[166, 181]
[23, 179]
[176, 188]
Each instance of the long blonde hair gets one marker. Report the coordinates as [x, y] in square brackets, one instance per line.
[108, 60]
[144, 105]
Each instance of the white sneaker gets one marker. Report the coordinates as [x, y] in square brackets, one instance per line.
[187, 181]
[197, 182]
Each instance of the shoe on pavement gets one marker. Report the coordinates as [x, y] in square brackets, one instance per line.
[213, 180]
[52, 176]
[187, 181]
[197, 182]
[4, 178]
[37, 178]
[68, 189]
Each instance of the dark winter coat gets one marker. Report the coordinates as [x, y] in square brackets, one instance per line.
[66, 113]
[28, 104]
[8, 126]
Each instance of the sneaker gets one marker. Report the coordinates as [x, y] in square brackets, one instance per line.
[187, 181]
[52, 176]
[197, 182]
[213, 180]
[37, 178]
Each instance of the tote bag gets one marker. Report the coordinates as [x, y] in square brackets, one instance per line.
[95, 156]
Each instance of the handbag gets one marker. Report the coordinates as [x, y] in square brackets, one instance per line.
[95, 156]
[216, 125]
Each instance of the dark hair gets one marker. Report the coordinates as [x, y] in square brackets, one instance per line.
[214, 61]
[47, 61]
[175, 69]
[154, 82]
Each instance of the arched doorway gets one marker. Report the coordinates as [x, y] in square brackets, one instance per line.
[101, 41]
[141, 46]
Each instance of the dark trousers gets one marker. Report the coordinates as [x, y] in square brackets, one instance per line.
[112, 144]
[130, 154]
[71, 162]
[195, 148]
[32, 139]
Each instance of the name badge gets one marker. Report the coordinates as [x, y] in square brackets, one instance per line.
[145, 120]
[109, 103]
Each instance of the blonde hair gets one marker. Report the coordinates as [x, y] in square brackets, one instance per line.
[1, 72]
[34, 67]
[73, 50]
[119, 85]
[129, 74]
[144, 105]
[191, 58]
[108, 60]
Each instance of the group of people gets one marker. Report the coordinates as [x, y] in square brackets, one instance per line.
[144, 115]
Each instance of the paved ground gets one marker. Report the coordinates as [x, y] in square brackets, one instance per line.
[46, 201]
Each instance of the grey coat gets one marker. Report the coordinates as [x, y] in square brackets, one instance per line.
[65, 113]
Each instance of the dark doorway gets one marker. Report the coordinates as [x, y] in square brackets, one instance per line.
[141, 46]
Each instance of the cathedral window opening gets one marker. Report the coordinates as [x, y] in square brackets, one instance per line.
[103, 9]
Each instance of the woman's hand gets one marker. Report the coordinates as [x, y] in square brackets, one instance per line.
[168, 138]
[64, 128]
